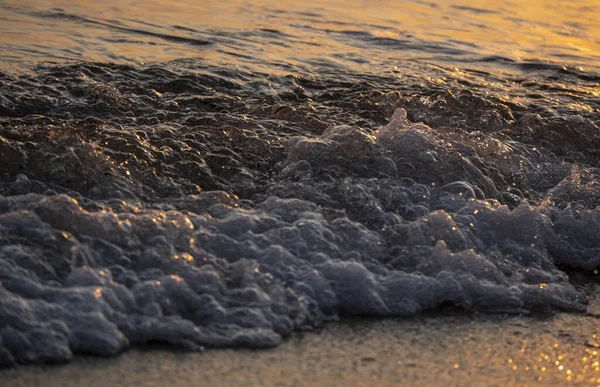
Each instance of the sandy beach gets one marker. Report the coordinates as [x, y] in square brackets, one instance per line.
[425, 351]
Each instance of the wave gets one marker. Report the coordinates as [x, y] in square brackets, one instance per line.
[209, 206]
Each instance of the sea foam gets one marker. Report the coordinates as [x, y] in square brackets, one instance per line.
[389, 222]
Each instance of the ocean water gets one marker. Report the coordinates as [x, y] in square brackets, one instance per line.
[211, 174]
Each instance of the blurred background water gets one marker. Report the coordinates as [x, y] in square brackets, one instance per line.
[362, 35]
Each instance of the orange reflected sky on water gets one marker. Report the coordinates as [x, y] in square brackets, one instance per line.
[557, 31]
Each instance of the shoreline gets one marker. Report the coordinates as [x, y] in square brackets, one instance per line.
[426, 350]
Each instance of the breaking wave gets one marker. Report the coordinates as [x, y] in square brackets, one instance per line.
[206, 206]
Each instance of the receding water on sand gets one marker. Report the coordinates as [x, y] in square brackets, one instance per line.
[455, 350]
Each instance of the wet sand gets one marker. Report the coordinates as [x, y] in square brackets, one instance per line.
[449, 350]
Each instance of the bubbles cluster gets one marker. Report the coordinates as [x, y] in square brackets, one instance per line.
[167, 218]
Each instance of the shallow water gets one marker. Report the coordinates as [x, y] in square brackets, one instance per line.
[365, 36]
[227, 174]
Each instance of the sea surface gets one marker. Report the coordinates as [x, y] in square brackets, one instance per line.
[224, 174]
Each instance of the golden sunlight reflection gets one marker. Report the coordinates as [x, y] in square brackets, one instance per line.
[575, 367]
[291, 31]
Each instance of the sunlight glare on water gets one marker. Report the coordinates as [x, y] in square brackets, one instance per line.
[351, 33]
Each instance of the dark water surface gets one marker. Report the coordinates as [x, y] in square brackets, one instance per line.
[222, 174]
